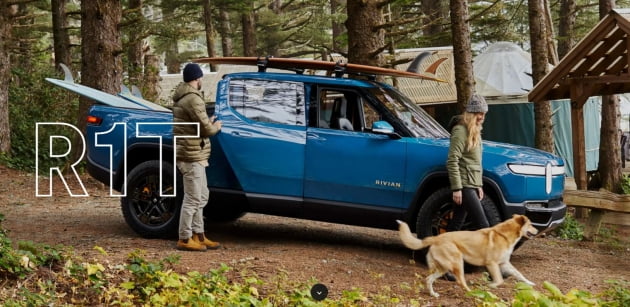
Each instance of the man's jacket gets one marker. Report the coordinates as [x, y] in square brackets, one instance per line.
[189, 107]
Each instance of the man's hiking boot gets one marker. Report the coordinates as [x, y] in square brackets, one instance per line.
[190, 245]
[201, 239]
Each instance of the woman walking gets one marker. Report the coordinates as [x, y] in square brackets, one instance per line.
[464, 165]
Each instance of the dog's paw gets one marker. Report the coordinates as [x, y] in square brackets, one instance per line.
[434, 294]
[494, 285]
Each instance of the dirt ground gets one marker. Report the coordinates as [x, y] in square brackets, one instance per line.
[338, 256]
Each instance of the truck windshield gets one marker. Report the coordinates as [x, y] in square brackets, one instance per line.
[415, 118]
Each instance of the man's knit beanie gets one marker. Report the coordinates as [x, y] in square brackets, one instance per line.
[192, 71]
[477, 104]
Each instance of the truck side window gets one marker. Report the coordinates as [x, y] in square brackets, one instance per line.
[338, 110]
[278, 102]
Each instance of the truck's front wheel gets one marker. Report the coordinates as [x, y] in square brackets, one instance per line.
[437, 211]
[145, 211]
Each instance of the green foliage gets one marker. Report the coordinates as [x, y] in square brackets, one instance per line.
[33, 100]
[18, 263]
[571, 229]
[526, 295]
[618, 292]
[625, 184]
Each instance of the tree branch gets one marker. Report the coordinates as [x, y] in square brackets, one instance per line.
[17, 2]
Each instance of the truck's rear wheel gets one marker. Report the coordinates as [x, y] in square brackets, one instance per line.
[145, 211]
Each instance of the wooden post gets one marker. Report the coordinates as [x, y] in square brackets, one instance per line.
[578, 99]
[579, 95]
[593, 224]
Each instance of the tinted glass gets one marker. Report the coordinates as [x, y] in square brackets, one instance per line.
[415, 118]
[277, 102]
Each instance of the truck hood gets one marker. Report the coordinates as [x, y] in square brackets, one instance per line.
[495, 153]
[520, 154]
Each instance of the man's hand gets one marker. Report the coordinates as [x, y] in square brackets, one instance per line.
[217, 123]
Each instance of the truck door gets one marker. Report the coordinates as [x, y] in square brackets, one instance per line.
[263, 137]
[346, 162]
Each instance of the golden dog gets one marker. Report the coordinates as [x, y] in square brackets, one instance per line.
[490, 247]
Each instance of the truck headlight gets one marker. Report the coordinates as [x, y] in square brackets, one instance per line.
[535, 170]
[548, 171]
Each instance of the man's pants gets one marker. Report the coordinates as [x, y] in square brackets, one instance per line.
[195, 198]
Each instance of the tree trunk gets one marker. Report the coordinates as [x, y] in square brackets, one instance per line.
[25, 47]
[610, 148]
[462, 53]
[365, 40]
[337, 28]
[566, 37]
[135, 52]
[540, 64]
[171, 60]
[209, 25]
[436, 14]
[61, 40]
[249, 33]
[226, 31]
[552, 51]
[151, 77]
[101, 52]
[6, 21]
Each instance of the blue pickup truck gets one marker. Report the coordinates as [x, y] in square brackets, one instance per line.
[328, 148]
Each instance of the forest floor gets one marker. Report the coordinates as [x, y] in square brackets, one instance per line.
[339, 256]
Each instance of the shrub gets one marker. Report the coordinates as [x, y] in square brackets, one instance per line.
[18, 263]
[32, 100]
[625, 184]
[526, 295]
[571, 229]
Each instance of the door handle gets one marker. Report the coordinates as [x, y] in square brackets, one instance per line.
[240, 133]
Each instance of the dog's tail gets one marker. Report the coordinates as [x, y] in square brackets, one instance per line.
[408, 239]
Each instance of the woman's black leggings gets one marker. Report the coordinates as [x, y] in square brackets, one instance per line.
[471, 206]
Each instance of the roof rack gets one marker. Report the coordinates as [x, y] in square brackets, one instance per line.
[263, 61]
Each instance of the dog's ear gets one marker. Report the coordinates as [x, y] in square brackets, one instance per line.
[519, 219]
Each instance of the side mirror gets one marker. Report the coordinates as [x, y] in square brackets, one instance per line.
[385, 128]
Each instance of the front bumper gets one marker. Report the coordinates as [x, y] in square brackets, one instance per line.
[545, 215]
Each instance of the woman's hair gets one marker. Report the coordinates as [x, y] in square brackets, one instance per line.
[473, 139]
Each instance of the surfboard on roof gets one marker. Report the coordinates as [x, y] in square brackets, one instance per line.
[300, 65]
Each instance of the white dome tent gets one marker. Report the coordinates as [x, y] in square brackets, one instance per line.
[503, 69]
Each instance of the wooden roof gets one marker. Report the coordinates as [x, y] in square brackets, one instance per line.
[598, 62]
[424, 92]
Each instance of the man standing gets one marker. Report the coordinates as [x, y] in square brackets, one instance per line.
[192, 157]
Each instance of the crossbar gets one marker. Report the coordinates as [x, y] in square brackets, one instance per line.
[599, 202]
[602, 200]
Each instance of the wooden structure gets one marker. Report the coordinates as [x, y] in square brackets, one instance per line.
[597, 65]
[600, 202]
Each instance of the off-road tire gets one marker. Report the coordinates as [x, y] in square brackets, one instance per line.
[436, 212]
[145, 211]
